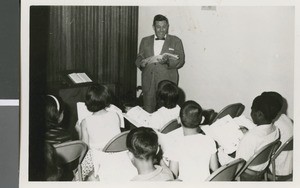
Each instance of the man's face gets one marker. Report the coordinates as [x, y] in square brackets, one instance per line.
[161, 29]
[256, 116]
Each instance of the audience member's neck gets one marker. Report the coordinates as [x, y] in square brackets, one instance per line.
[190, 131]
[103, 111]
[264, 123]
[144, 167]
[278, 116]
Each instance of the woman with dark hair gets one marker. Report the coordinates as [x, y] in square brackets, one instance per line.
[146, 155]
[54, 114]
[167, 97]
[167, 109]
[99, 128]
[102, 125]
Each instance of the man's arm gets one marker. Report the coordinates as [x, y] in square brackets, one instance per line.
[85, 135]
[141, 60]
[174, 167]
[177, 63]
[214, 164]
[246, 147]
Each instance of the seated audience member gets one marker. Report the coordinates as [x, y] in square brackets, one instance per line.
[146, 155]
[102, 125]
[284, 162]
[54, 114]
[167, 109]
[99, 128]
[53, 172]
[193, 155]
[263, 111]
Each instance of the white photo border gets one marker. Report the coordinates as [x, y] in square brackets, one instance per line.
[24, 98]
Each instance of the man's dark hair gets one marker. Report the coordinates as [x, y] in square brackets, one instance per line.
[160, 17]
[190, 114]
[142, 142]
[275, 95]
[269, 106]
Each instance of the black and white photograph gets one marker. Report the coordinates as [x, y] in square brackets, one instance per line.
[180, 93]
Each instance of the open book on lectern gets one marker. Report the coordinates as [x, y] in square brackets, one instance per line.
[78, 78]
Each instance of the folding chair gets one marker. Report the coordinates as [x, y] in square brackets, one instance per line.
[287, 146]
[262, 156]
[117, 143]
[170, 126]
[71, 151]
[227, 172]
[234, 110]
[209, 116]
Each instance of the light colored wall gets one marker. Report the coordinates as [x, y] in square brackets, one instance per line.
[232, 53]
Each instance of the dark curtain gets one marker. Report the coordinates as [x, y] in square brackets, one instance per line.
[39, 28]
[101, 41]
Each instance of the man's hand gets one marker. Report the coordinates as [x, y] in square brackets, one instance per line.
[144, 64]
[162, 59]
[223, 157]
[148, 60]
[154, 59]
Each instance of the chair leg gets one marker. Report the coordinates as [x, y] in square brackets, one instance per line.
[273, 170]
[266, 176]
[79, 172]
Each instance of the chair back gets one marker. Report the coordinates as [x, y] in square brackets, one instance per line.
[227, 172]
[170, 126]
[262, 156]
[234, 110]
[117, 143]
[71, 151]
[287, 146]
[209, 116]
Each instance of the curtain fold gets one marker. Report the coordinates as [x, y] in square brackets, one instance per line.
[100, 40]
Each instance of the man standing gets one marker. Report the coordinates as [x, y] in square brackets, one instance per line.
[159, 57]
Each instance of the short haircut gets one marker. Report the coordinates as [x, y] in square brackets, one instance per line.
[142, 142]
[275, 95]
[97, 98]
[190, 114]
[167, 94]
[269, 106]
[54, 107]
[160, 17]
